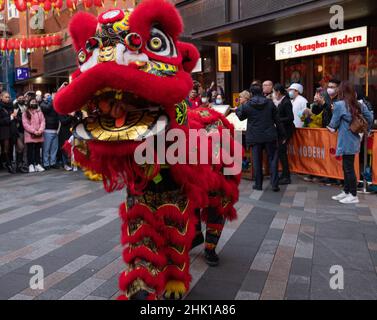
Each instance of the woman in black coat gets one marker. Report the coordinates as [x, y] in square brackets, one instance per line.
[284, 105]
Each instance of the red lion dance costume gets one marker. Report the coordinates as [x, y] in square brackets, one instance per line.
[133, 77]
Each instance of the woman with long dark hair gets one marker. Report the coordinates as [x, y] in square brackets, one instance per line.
[348, 144]
[34, 125]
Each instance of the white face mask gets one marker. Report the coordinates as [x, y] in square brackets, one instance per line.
[331, 91]
[204, 100]
[219, 101]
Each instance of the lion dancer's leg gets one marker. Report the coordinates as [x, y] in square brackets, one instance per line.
[214, 221]
[180, 231]
[143, 252]
[214, 227]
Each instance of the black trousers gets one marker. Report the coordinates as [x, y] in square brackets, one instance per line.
[350, 181]
[283, 157]
[273, 159]
[34, 153]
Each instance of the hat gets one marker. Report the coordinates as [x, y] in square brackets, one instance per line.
[298, 87]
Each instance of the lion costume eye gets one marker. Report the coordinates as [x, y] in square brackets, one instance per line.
[161, 44]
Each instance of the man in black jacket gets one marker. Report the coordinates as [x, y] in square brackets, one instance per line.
[284, 105]
[51, 140]
[263, 132]
[8, 130]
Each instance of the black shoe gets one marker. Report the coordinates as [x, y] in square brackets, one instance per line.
[22, 169]
[47, 167]
[284, 181]
[11, 168]
[212, 259]
[275, 189]
[55, 166]
[257, 188]
[140, 295]
[198, 240]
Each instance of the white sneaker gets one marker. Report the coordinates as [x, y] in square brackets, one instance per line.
[67, 168]
[340, 196]
[349, 199]
[31, 169]
[39, 168]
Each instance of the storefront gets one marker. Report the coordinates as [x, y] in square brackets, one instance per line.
[345, 55]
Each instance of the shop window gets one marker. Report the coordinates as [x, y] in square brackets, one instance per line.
[12, 11]
[294, 72]
[326, 67]
[357, 68]
[372, 77]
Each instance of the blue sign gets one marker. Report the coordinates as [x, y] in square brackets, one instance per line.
[22, 74]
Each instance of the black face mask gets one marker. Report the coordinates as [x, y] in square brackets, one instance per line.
[34, 106]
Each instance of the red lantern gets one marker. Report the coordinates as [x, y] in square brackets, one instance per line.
[16, 44]
[47, 6]
[57, 5]
[98, 3]
[3, 44]
[71, 4]
[10, 44]
[43, 42]
[88, 3]
[57, 40]
[23, 44]
[37, 42]
[49, 40]
[20, 5]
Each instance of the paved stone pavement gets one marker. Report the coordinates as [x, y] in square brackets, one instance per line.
[281, 247]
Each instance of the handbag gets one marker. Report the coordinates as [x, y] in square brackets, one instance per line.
[359, 124]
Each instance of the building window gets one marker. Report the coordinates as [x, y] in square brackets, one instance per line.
[24, 59]
[12, 11]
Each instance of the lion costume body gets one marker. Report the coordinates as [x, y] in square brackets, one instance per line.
[133, 78]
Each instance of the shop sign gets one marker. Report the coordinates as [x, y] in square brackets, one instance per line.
[22, 74]
[224, 57]
[331, 42]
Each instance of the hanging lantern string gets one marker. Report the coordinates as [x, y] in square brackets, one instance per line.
[33, 42]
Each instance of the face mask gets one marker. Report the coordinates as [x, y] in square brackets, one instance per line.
[34, 106]
[204, 100]
[291, 94]
[219, 101]
[331, 91]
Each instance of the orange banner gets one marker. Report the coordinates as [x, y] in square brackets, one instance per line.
[374, 158]
[312, 151]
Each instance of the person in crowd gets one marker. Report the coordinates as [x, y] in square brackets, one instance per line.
[244, 97]
[213, 91]
[263, 132]
[50, 135]
[326, 101]
[20, 107]
[284, 105]
[312, 116]
[34, 124]
[348, 143]
[194, 99]
[219, 100]
[204, 100]
[268, 86]
[8, 130]
[255, 82]
[65, 132]
[299, 103]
